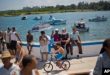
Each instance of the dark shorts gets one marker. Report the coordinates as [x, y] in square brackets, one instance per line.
[13, 45]
[8, 45]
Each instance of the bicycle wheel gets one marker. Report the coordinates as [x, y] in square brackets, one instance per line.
[66, 65]
[48, 67]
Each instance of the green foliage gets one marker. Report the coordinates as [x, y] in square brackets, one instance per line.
[101, 5]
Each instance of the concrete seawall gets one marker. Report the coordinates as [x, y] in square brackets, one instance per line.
[90, 48]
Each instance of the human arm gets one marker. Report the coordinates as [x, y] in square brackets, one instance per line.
[18, 37]
[68, 39]
[21, 55]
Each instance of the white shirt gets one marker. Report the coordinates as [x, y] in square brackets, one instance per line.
[14, 69]
[13, 36]
[7, 36]
[75, 35]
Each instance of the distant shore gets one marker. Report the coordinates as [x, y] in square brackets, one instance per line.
[80, 7]
[17, 13]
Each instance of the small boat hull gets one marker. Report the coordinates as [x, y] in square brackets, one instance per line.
[23, 18]
[57, 22]
[98, 20]
[83, 29]
[41, 27]
[38, 18]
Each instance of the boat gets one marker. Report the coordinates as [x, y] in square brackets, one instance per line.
[54, 21]
[41, 27]
[38, 18]
[81, 27]
[57, 22]
[98, 19]
[24, 18]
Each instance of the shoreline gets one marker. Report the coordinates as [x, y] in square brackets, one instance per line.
[5, 13]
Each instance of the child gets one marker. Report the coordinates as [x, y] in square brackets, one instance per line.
[59, 54]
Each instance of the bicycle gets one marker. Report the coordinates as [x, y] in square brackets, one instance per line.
[48, 67]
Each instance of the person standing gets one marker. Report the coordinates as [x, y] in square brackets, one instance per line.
[75, 38]
[103, 61]
[2, 42]
[8, 68]
[7, 38]
[43, 40]
[29, 38]
[14, 38]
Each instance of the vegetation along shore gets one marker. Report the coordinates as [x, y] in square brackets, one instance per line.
[82, 6]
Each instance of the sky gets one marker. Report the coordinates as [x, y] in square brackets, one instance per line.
[19, 4]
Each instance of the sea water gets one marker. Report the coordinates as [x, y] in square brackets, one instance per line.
[98, 30]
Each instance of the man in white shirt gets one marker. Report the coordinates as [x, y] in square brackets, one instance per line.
[14, 38]
[76, 39]
[8, 68]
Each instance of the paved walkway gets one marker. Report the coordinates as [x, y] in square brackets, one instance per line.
[78, 66]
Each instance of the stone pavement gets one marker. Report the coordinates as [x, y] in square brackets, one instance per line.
[79, 66]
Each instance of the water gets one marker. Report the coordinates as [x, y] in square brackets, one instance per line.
[98, 30]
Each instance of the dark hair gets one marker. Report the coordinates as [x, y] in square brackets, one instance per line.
[8, 28]
[13, 27]
[42, 32]
[106, 43]
[26, 60]
[29, 31]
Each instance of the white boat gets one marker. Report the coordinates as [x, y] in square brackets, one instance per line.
[57, 22]
[82, 27]
[54, 21]
[41, 27]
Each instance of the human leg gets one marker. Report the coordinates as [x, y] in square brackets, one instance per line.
[79, 47]
[67, 51]
[41, 56]
[46, 56]
[30, 47]
[59, 63]
[71, 49]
